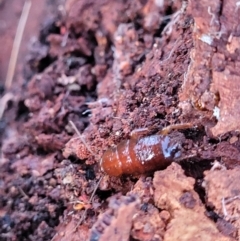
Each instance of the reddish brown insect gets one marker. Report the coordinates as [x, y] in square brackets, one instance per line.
[138, 155]
[143, 155]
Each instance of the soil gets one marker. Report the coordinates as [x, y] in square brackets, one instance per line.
[111, 68]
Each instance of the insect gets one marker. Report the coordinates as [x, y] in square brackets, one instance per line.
[138, 155]
[142, 155]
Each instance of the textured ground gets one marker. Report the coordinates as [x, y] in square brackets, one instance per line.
[112, 67]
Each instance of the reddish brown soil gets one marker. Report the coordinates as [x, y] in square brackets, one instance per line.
[112, 67]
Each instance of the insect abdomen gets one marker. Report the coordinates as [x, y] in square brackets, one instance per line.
[133, 157]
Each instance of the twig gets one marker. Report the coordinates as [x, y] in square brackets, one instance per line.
[172, 51]
[229, 200]
[85, 211]
[90, 200]
[212, 15]
[175, 17]
[224, 209]
[17, 42]
[95, 189]
[80, 136]
[23, 193]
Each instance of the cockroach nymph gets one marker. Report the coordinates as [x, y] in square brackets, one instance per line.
[142, 155]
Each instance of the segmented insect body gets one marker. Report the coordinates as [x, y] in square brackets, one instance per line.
[138, 156]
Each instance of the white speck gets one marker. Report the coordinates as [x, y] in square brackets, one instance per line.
[159, 3]
[216, 112]
[150, 156]
[206, 39]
